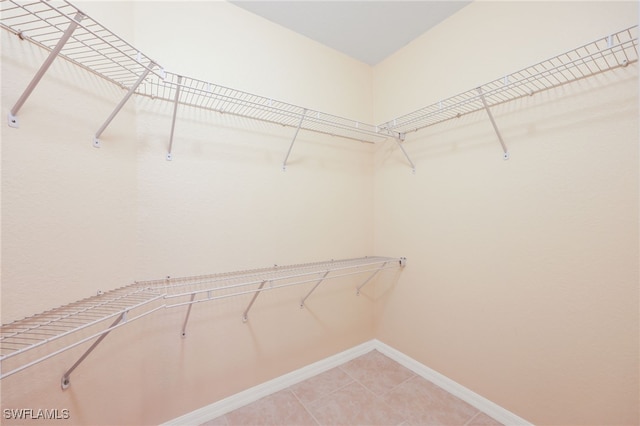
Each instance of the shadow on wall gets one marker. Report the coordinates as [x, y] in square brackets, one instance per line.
[524, 118]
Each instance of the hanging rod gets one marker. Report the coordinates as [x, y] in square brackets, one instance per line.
[32, 340]
[101, 52]
[614, 51]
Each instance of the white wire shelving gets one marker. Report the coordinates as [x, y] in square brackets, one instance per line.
[32, 340]
[605, 54]
[64, 30]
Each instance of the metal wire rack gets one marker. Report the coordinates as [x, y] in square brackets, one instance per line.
[59, 26]
[32, 340]
[90, 45]
[201, 94]
[614, 51]
[62, 28]
[59, 329]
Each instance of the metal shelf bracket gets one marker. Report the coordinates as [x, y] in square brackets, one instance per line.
[186, 318]
[399, 141]
[13, 121]
[295, 135]
[173, 121]
[66, 381]
[245, 314]
[370, 278]
[313, 289]
[505, 151]
[132, 89]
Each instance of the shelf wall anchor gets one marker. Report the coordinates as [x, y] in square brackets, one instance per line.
[13, 119]
[132, 89]
[66, 382]
[173, 121]
[399, 141]
[295, 135]
[505, 151]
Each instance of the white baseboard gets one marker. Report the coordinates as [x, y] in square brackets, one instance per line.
[250, 395]
[490, 408]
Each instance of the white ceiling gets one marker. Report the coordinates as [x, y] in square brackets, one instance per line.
[368, 31]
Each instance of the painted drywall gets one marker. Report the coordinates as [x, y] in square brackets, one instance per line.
[77, 219]
[228, 183]
[68, 211]
[522, 279]
[522, 275]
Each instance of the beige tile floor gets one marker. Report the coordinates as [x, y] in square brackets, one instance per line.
[369, 390]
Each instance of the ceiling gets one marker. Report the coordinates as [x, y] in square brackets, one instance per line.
[369, 31]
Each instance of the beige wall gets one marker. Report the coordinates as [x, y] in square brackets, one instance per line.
[522, 281]
[77, 219]
[68, 209]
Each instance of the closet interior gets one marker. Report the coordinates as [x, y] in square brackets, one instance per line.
[68, 33]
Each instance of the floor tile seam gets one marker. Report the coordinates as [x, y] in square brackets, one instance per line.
[331, 393]
[381, 399]
[473, 417]
[304, 406]
[413, 376]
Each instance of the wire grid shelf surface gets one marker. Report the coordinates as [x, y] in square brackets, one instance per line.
[57, 330]
[100, 51]
[608, 53]
[22, 336]
[91, 46]
[211, 287]
[225, 100]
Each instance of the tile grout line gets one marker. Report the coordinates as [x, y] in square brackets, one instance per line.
[473, 417]
[304, 406]
[404, 420]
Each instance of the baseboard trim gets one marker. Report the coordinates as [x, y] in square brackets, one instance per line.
[488, 407]
[250, 395]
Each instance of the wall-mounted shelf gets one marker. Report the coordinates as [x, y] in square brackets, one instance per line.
[608, 53]
[63, 29]
[60, 27]
[30, 341]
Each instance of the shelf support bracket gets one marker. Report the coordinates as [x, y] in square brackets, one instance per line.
[370, 278]
[173, 121]
[132, 89]
[313, 289]
[66, 382]
[399, 141]
[13, 119]
[295, 135]
[505, 151]
[245, 314]
[186, 318]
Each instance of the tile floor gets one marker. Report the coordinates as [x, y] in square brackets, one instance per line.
[369, 390]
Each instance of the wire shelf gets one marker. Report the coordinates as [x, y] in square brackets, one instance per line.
[608, 53]
[225, 100]
[63, 324]
[98, 50]
[91, 46]
[32, 340]
[219, 286]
